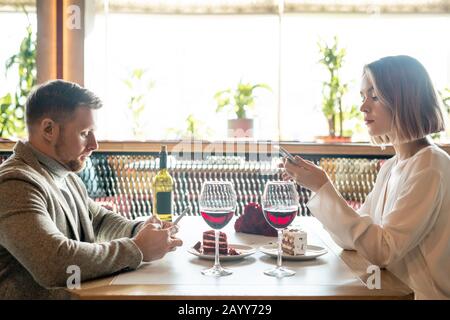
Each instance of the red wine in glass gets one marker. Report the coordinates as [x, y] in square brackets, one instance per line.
[217, 207]
[217, 219]
[280, 219]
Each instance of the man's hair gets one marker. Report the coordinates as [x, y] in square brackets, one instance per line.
[58, 100]
[405, 88]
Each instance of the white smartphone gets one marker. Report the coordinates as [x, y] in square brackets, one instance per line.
[285, 153]
[174, 228]
[185, 211]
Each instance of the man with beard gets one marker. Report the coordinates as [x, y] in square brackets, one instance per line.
[47, 221]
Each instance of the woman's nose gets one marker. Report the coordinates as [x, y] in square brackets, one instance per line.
[364, 108]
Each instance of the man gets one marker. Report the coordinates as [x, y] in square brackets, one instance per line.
[47, 220]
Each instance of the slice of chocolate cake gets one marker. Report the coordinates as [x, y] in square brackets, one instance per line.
[209, 243]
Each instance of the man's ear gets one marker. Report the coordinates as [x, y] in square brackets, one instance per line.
[49, 130]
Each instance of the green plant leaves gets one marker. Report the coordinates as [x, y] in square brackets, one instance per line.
[240, 100]
[445, 97]
[12, 120]
[333, 90]
[139, 87]
[223, 99]
[195, 128]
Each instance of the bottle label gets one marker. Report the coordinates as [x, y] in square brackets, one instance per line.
[164, 202]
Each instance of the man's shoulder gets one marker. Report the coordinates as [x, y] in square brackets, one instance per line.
[15, 169]
[19, 184]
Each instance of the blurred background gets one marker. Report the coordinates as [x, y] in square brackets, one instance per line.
[169, 70]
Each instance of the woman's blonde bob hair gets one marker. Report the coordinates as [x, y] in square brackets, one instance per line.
[403, 85]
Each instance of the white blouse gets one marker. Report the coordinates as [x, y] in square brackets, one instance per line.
[408, 232]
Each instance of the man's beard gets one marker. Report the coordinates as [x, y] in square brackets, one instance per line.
[72, 165]
[75, 165]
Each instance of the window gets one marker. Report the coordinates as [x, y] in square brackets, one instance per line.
[366, 38]
[13, 23]
[17, 63]
[188, 58]
[189, 50]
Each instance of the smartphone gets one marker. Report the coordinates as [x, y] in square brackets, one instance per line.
[285, 154]
[174, 228]
[185, 211]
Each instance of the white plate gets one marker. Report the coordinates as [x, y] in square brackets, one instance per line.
[312, 252]
[243, 249]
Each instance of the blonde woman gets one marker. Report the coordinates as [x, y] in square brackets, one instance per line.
[404, 224]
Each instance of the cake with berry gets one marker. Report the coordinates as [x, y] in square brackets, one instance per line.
[208, 245]
[209, 242]
[294, 242]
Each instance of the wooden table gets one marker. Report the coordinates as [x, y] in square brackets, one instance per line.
[339, 274]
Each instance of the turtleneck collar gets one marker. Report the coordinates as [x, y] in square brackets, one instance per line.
[58, 170]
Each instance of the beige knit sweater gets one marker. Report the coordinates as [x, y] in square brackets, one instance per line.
[39, 238]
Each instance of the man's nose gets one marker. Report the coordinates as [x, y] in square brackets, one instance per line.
[92, 144]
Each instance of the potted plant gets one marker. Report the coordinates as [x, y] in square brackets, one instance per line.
[333, 91]
[239, 101]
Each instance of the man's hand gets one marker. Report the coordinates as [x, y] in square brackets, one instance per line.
[155, 242]
[161, 224]
[305, 173]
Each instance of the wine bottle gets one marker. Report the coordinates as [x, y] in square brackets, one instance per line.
[163, 189]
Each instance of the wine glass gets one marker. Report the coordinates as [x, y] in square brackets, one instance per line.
[280, 206]
[217, 207]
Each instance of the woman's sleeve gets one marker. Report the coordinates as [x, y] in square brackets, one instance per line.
[364, 210]
[366, 207]
[411, 218]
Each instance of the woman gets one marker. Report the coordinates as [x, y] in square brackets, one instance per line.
[404, 224]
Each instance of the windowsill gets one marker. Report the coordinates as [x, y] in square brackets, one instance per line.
[239, 146]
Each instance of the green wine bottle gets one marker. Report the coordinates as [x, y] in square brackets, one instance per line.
[163, 189]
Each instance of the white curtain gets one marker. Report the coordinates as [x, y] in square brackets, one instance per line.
[257, 6]
[271, 6]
